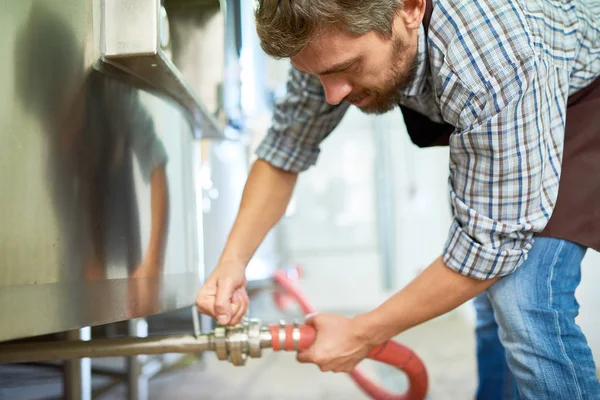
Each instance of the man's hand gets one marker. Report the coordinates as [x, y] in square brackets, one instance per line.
[338, 346]
[224, 295]
[266, 195]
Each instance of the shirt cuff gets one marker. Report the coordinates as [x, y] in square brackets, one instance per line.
[468, 257]
[283, 152]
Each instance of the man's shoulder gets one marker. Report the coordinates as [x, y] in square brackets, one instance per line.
[510, 30]
[480, 27]
[479, 41]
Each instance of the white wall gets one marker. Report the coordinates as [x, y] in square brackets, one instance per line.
[332, 231]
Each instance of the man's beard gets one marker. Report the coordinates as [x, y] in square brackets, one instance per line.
[388, 97]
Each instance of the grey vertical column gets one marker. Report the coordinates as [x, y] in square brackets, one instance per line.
[385, 204]
[137, 388]
[77, 375]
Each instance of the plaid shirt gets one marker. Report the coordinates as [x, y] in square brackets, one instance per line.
[500, 72]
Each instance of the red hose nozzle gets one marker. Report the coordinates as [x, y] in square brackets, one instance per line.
[300, 337]
[295, 337]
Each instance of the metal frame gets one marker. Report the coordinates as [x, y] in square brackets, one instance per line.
[137, 381]
[77, 374]
[386, 206]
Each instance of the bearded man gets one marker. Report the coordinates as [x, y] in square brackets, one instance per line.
[513, 89]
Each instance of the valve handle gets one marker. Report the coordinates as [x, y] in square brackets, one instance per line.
[301, 337]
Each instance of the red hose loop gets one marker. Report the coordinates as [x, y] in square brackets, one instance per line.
[391, 353]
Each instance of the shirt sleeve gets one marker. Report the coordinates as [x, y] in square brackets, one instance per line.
[505, 161]
[302, 119]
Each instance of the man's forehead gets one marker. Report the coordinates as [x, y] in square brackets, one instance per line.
[325, 51]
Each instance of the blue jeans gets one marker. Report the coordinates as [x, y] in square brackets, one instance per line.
[528, 344]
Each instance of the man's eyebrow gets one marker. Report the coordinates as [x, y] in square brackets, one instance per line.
[339, 67]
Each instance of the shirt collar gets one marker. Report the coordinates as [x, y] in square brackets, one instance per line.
[415, 87]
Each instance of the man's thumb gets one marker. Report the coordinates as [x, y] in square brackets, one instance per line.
[309, 319]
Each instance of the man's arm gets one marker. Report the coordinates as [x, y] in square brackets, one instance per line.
[502, 188]
[341, 343]
[436, 291]
[302, 119]
[266, 195]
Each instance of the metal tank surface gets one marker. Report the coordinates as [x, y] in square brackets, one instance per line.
[98, 208]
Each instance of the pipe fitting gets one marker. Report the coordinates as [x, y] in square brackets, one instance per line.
[236, 344]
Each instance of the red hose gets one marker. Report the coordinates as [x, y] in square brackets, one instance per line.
[391, 353]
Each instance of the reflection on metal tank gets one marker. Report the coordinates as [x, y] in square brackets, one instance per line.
[97, 197]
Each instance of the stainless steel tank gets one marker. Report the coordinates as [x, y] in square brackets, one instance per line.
[98, 206]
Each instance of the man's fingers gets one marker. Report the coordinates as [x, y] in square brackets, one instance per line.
[205, 300]
[243, 301]
[223, 300]
[204, 306]
[304, 356]
[240, 304]
[309, 319]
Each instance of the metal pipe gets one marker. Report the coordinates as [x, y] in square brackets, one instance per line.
[235, 344]
[97, 348]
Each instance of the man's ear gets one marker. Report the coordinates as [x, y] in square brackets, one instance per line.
[412, 13]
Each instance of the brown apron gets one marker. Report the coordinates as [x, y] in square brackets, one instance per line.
[576, 215]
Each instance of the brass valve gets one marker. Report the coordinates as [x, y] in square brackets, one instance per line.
[248, 338]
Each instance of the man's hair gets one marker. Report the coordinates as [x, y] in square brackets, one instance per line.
[286, 26]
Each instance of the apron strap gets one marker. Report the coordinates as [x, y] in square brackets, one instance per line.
[424, 132]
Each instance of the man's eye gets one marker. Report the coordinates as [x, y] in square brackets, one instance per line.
[353, 68]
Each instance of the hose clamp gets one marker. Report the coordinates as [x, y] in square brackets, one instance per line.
[282, 335]
[296, 335]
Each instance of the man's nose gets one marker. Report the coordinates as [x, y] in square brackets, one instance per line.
[335, 89]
